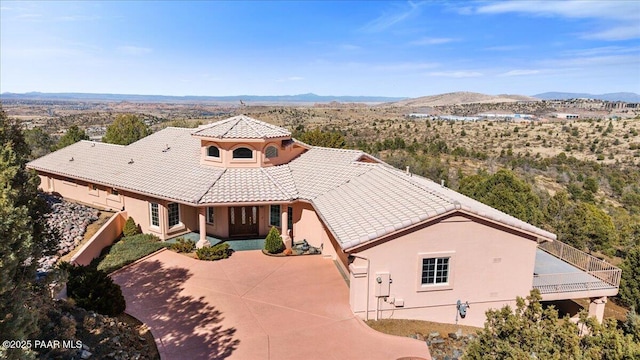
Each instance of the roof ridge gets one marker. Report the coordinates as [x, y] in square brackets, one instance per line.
[249, 123]
[400, 175]
[231, 127]
[282, 190]
[198, 201]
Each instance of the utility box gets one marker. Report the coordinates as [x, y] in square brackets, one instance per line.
[383, 281]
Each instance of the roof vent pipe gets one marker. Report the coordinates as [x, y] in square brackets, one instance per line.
[442, 182]
[407, 169]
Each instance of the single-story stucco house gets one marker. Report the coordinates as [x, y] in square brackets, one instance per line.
[409, 247]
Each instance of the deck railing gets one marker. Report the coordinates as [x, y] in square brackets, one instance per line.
[600, 269]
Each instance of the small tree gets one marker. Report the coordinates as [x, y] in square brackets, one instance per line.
[130, 227]
[630, 281]
[273, 244]
[125, 130]
[93, 289]
[72, 136]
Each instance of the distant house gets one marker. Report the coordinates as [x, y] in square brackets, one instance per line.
[410, 248]
[567, 116]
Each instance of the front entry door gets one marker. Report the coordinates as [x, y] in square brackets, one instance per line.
[243, 221]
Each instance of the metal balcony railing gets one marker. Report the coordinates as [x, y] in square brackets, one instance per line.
[596, 274]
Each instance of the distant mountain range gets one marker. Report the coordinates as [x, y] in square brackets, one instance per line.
[302, 98]
[620, 96]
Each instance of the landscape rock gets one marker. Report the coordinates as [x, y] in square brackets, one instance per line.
[70, 220]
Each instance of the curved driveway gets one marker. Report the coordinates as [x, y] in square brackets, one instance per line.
[252, 306]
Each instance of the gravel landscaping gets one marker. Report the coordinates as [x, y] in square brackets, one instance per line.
[71, 221]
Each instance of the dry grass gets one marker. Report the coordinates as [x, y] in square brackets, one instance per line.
[402, 327]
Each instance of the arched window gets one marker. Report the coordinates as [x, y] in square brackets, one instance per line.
[271, 152]
[213, 151]
[242, 153]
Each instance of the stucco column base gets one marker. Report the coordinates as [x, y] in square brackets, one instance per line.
[288, 242]
[202, 243]
[596, 307]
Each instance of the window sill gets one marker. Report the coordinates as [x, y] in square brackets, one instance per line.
[175, 228]
[439, 287]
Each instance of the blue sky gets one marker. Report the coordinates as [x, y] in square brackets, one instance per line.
[329, 48]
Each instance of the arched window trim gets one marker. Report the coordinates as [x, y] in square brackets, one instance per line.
[270, 156]
[217, 150]
[242, 148]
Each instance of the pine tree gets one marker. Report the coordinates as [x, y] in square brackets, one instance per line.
[23, 238]
[72, 136]
[125, 130]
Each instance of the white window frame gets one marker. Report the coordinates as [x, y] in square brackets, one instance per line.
[179, 223]
[157, 209]
[211, 215]
[450, 255]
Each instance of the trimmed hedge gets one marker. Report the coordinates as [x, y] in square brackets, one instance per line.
[130, 228]
[183, 245]
[128, 250]
[273, 244]
[93, 289]
[216, 252]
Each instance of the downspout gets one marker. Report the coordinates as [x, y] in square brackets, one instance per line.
[368, 270]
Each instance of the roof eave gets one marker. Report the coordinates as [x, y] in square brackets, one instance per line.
[355, 248]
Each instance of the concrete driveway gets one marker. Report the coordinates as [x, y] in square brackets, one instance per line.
[252, 306]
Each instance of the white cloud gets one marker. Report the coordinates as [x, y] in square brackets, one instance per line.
[389, 19]
[456, 74]
[350, 47]
[631, 31]
[291, 78]
[619, 19]
[520, 72]
[506, 47]
[134, 50]
[432, 41]
[404, 66]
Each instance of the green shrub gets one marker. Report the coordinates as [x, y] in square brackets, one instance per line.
[130, 228]
[273, 244]
[183, 245]
[128, 250]
[93, 289]
[216, 252]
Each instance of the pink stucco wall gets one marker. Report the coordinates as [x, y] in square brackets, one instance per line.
[490, 268]
[80, 191]
[104, 237]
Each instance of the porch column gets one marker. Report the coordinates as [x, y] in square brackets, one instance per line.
[596, 307]
[284, 225]
[202, 226]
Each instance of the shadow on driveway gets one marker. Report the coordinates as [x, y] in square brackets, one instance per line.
[183, 326]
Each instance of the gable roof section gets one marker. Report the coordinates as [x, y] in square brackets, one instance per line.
[241, 127]
[384, 200]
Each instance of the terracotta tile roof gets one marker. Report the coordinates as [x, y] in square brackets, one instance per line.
[358, 201]
[145, 166]
[241, 127]
[246, 185]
